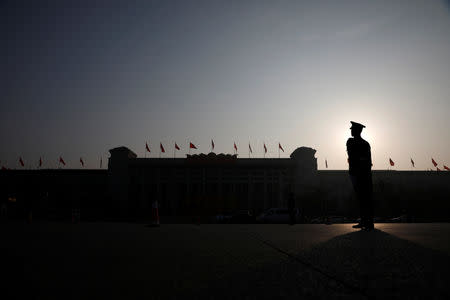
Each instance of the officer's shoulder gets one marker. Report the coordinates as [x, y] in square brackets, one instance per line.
[350, 141]
[365, 142]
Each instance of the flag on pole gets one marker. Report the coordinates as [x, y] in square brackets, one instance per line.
[434, 162]
[391, 162]
[162, 148]
[326, 164]
[192, 146]
[265, 148]
[61, 160]
[81, 162]
[21, 162]
[250, 148]
[212, 145]
[147, 147]
[279, 147]
[40, 162]
[412, 163]
[235, 147]
[175, 150]
[437, 169]
[446, 168]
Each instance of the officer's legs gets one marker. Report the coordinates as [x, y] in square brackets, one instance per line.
[363, 208]
[357, 188]
[367, 210]
[363, 189]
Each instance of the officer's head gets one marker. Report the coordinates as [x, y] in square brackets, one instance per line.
[356, 129]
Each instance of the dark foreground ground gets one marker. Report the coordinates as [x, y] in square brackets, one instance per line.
[135, 261]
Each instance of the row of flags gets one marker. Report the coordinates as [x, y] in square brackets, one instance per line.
[192, 146]
[392, 163]
[435, 164]
[61, 161]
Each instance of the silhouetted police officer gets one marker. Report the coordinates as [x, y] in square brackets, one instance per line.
[360, 170]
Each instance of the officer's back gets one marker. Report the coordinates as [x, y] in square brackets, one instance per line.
[359, 158]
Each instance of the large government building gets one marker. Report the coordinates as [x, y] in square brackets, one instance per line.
[209, 184]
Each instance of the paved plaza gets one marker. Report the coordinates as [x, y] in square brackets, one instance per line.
[47, 260]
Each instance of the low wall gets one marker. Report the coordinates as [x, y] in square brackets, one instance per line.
[423, 195]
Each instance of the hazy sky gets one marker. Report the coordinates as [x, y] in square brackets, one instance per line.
[81, 77]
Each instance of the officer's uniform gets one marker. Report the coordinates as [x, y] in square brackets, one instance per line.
[360, 165]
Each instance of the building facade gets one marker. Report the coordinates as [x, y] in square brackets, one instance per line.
[207, 184]
[210, 184]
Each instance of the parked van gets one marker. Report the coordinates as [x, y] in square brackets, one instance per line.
[278, 215]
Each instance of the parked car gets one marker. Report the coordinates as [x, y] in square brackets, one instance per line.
[242, 217]
[400, 219]
[222, 218]
[331, 220]
[278, 215]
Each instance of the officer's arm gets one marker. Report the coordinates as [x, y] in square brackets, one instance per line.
[349, 150]
[366, 159]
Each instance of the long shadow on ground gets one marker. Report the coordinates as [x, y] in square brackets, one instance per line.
[355, 265]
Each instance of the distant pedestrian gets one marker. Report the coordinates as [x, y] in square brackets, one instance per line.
[155, 213]
[360, 170]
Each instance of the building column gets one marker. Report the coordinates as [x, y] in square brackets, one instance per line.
[280, 190]
[265, 204]
[249, 191]
[220, 196]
